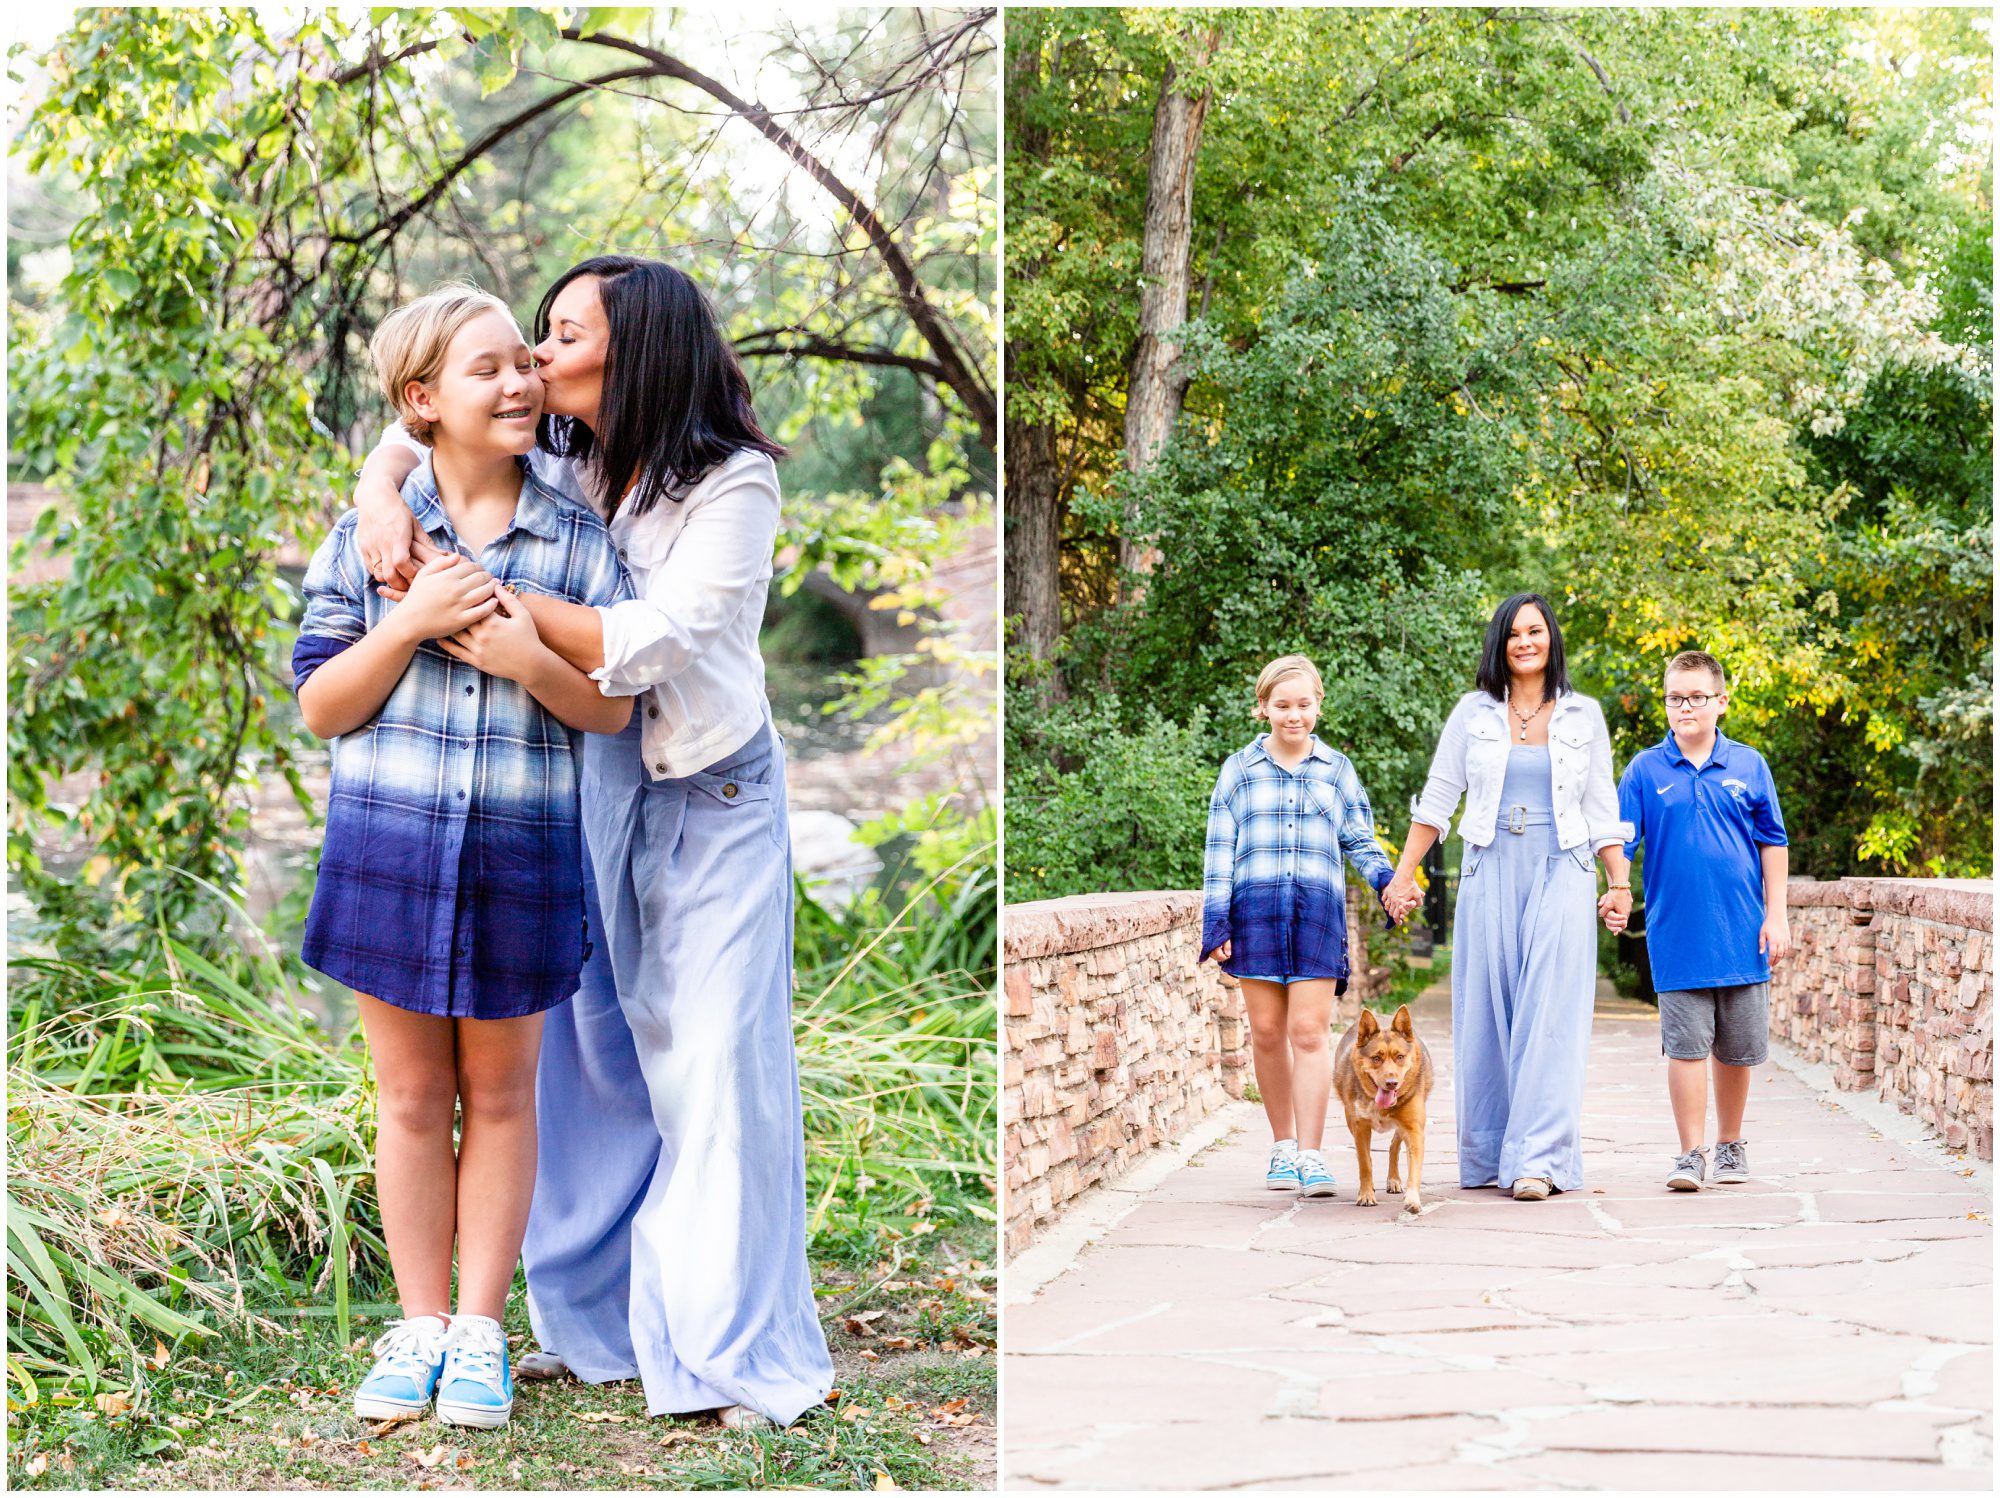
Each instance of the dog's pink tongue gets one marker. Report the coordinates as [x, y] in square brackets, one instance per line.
[1384, 1098]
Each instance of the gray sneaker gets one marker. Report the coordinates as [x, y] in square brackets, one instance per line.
[1732, 1165]
[1688, 1170]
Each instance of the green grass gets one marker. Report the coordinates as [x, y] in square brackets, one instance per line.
[195, 1258]
[271, 1411]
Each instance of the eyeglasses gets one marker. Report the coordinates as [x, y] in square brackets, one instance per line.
[1690, 699]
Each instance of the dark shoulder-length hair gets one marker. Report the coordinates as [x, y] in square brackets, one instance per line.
[1493, 658]
[675, 402]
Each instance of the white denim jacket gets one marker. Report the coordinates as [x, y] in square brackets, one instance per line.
[686, 646]
[1471, 760]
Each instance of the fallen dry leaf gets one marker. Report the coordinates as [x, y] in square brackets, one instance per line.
[600, 1417]
[383, 1427]
[159, 1357]
[950, 1407]
[37, 1464]
[898, 1344]
[464, 1462]
[884, 1483]
[675, 1437]
[833, 1396]
[428, 1459]
[114, 1404]
[857, 1326]
[869, 1355]
[923, 1437]
[364, 1448]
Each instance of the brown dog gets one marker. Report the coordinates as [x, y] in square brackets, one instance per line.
[1383, 1079]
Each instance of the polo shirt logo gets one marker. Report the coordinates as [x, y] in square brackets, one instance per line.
[1737, 788]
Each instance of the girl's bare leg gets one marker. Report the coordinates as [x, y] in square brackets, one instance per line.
[416, 1080]
[496, 1155]
[1309, 1005]
[1264, 1003]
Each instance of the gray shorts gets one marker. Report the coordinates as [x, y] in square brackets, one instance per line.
[1732, 1024]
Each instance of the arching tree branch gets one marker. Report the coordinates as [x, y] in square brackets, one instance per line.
[958, 371]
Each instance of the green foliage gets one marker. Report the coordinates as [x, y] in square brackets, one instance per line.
[191, 1157]
[1129, 816]
[182, 434]
[1676, 316]
[250, 195]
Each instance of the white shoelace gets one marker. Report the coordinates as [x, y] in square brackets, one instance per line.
[410, 1346]
[474, 1350]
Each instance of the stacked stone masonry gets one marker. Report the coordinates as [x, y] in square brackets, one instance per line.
[1119, 1039]
[1891, 986]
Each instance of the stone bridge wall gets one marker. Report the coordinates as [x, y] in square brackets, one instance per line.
[1892, 987]
[1119, 1039]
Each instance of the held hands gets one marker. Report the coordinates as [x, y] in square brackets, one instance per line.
[1400, 896]
[1775, 937]
[505, 643]
[1614, 908]
[1220, 954]
[446, 595]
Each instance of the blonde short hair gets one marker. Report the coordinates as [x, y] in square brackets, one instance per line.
[1278, 670]
[410, 344]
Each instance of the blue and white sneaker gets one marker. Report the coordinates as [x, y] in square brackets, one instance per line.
[1314, 1178]
[1282, 1174]
[477, 1386]
[408, 1359]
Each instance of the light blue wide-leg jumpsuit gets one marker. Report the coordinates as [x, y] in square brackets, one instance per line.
[667, 1236]
[1523, 985]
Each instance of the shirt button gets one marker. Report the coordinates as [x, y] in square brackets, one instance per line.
[468, 691]
[461, 795]
[729, 791]
[661, 768]
[621, 553]
[652, 712]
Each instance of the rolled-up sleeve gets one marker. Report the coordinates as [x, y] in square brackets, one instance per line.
[720, 562]
[1600, 790]
[1218, 863]
[1446, 782]
[395, 434]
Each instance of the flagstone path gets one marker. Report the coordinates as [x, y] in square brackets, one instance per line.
[1826, 1326]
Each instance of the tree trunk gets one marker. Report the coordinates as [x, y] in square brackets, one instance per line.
[1158, 381]
[1034, 539]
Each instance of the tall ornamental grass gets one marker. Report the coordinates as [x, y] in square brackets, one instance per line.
[191, 1154]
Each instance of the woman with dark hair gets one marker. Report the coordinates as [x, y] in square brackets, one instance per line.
[1533, 762]
[667, 1236]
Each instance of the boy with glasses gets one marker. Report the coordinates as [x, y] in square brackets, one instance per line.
[1716, 864]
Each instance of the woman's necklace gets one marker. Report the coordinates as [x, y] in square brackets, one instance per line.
[1525, 719]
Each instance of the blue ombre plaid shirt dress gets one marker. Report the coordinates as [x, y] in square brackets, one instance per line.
[1273, 878]
[451, 880]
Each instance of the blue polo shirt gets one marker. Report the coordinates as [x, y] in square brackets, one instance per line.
[1704, 880]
